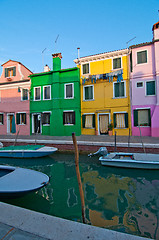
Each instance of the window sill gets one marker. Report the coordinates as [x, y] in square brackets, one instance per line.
[46, 99]
[46, 125]
[119, 97]
[69, 124]
[88, 100]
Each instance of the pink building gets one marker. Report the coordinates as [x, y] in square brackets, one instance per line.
[14, 98]
[144, 79]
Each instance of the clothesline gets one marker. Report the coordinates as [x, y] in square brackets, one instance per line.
[109, 76]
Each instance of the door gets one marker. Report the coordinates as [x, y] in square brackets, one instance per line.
[36, 123]
[9, 122]
[103, 124]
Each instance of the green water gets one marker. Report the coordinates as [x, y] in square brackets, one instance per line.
[125, 200]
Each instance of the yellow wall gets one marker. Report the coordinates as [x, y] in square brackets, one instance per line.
[103, 95]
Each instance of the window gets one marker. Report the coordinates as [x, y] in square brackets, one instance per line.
[69, 118]
[88, 93]
[21, 118]
[142, 117]
[139, 84]
[150, 88]
[142, 57]
[37, 93]
[24, 94]
[69, 90]
[46, 118]
[120, 120]
[85, 68]
[116, 63]
[88, 120]
[46, 92]
[9, 72]
[119, 89]
[1, 118]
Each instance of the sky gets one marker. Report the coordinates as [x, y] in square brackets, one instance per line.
[32, 30]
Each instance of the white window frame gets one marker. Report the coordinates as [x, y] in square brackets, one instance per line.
[139, 64]
[3, 118]
[44, 92]
[84, 93]
[82, 69]
[50, 116]
[72, 90]
[121, 63]
[69, 124]
[124, 90]
[146, 88]
[120, 113]
[21, 118]
[34, 94]
[22, 94]
[140, 82]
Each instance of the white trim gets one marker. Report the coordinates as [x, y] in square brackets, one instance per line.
[22, 124]
[121, 63]
[44, 91]
[146, 88]
[3, 118]
[47, 124]
[84, 93]
[140, 82]
[67, 123]
[40, 94]
[32, 116]
[22, 94]
[139, 64]
[8, 121]
[85, 74]
[65, 90]
[124, 90]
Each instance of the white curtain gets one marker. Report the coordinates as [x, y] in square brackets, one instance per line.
[120, 120]
[103, 123]
[88, 123]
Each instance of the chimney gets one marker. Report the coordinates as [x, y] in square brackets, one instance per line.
[46, 68]
[155, 30]
[57, 61]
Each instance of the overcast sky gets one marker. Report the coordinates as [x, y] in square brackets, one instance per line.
[30, 27]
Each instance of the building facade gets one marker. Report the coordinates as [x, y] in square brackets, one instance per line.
[55, 101]
[144, 78]
[105, 101]
[14, 99]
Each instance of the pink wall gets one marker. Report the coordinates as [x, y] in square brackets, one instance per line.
[10, 98]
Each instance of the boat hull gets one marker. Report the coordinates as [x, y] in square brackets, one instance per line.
[42, 152]
[130, 160]
[17, 182]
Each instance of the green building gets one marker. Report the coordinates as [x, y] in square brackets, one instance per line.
[55, 100]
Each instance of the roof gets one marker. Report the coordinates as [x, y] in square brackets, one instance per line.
[17, 62]
[143, 44]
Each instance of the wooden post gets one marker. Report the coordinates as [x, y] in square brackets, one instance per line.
[78, 176]
[115, 142]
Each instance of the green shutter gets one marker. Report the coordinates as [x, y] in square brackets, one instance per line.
[149, 117]
[6, 72]
[126, 120]
[114, 116]
[116, 85]
[135, 118]
[14, 71]
[93, 123]
[18, 118]
[83, 120]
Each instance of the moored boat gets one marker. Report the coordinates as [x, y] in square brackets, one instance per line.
[16, 182]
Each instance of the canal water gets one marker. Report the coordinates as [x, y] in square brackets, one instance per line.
[125, 200]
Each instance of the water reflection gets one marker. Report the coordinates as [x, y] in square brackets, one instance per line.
[125, 200]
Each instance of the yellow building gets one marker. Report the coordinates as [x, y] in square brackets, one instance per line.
[105, 99]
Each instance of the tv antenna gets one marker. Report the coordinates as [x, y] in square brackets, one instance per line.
[57, 38]
[130, 41]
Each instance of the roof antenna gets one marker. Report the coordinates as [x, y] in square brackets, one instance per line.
[78, 55]
[130, 41]
[43, 56]
[56, 41]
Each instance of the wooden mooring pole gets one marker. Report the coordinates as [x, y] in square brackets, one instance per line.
[78, 176]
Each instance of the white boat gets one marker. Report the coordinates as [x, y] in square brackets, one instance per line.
[26, 151]
[131, 160]
[16, 182]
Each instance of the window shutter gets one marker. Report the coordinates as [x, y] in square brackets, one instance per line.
[73, 118]
[6, 72]
[14, 71]
[149, 116]
[18, 118]
[83, 120]
[126, 120]
[25, 121]
[63, 118]
[135, 118]
[93, 119]
[114, 120]
[116, 85]
[2, 119]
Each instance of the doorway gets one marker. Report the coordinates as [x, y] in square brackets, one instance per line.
[36, 123]
[9, 122]
[103, 120]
